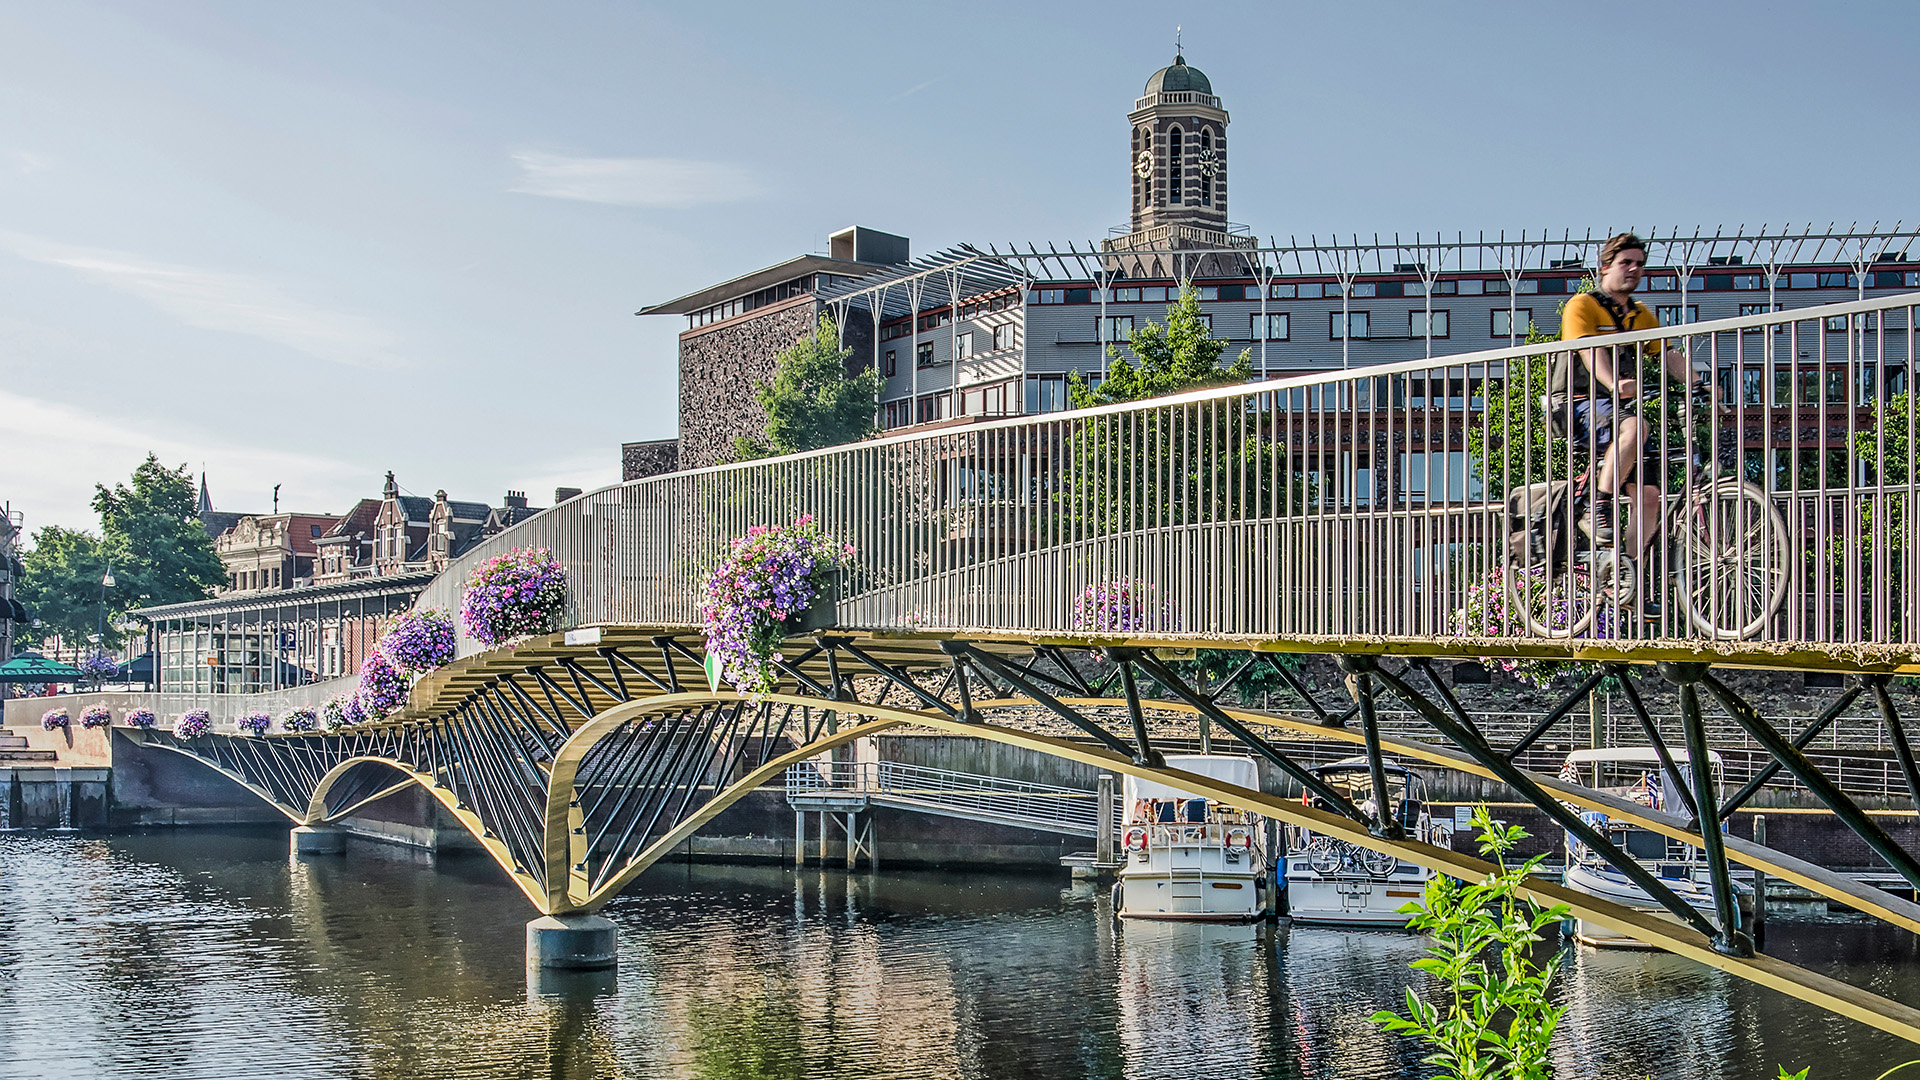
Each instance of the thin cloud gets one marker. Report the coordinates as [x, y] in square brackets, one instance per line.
[212, 300]
[57, 488]
[658, 183]
[26, 162]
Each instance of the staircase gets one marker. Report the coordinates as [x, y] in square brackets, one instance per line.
[13, 751]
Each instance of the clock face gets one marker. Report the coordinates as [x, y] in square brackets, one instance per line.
[1209, 161]
[1143, 165]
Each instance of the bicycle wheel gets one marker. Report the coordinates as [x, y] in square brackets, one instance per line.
[1734, 557]
[1557, 604]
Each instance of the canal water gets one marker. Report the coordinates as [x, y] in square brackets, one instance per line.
[198, 953]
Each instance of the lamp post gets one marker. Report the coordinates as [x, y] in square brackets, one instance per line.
[106, 582]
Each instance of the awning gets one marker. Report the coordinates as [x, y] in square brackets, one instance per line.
[32, 667]
[11, 609]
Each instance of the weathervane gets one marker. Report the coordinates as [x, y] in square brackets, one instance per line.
[1177, 51]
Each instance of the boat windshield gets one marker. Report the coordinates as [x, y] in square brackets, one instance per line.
[1637, 778]
[1356, 783]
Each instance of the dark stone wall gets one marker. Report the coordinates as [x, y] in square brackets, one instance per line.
[722, 366]
[159, 787]
[639, 460]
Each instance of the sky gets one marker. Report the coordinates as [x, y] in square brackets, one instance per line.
[305, 244]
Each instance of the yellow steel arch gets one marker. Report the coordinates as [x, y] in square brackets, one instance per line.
[1830, 994]
[316, 813]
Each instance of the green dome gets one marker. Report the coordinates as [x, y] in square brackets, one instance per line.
[1171, 80]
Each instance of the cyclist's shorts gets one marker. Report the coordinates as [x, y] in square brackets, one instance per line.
[1593, 429]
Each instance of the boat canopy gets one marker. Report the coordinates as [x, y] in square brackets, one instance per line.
[1360, 763]
[1239, 771]
[1636, 755]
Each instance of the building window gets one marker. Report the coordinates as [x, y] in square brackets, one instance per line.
[314, 531]
[892, 365]
[1836, 281]
[1670, 314]
[1143, 143]
[1418, 324]
[1276, 326]
[1206, 181]
[923, 354]
[1356, 325]
[1176, 150]
[1142, 294]
[1510, 322]
[1117, 328]
[1862, 321]
[963, 345]
[1360, 288]
[1284, 292]
[1206, 320]
[1046, 393]
[1003, 336]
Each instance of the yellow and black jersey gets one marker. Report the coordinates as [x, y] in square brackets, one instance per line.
[1589, 314]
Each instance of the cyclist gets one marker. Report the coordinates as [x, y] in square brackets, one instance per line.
[1613, 374]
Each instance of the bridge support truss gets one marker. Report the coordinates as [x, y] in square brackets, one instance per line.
[579, 767]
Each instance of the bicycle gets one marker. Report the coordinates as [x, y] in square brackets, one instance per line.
[1726, 551]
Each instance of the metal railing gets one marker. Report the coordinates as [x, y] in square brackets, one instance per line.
[1046, 807]
[1362, 503]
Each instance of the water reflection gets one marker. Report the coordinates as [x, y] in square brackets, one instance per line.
[211, 954]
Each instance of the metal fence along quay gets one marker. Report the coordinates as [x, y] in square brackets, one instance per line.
[1424, 503]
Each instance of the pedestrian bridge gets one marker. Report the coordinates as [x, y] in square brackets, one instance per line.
[1037, 581]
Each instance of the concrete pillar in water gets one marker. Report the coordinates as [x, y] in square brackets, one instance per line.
[577, 941]
[1105, 827]
[316, 840]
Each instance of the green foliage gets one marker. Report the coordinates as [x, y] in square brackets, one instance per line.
[812, 402]
[61, 588]
[1494, 1019]
[1210, 667]
[152, 536]
[1180, 356]
[151, 528]
[1206, 462]
[1887, 449]
[1513, 447]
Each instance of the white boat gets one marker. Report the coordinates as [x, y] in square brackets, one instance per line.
[1634, 773]
[1331, 881]
[1187, 857]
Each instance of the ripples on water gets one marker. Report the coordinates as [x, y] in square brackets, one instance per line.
[201, 954]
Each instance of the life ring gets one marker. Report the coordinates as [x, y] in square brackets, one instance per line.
[1136, 840]
[1240, 838]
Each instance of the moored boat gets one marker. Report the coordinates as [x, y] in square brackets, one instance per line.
[1331, 881]
[1187, 857]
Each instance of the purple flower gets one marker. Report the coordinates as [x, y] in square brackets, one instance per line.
[382, 688]
[299, 718]
[141, 718]
[769, 575]
[98, 667]
[254, 723]
[513, 596]
[419, 641]
[192, 724]
[333, 715]
[1122, 607]
[96, 716]
[54, 720]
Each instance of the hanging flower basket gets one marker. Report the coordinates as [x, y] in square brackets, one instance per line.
[774, 581]
[255, 723]
[352, 711]
[141, 718]
[333, 715]
[420, 641]
[98, 668]
[54, 720]
[192, 724]
[1128, 606]
[299, 718]
[382, 688]
[514, 596]
[1486, 613]
[95, 716]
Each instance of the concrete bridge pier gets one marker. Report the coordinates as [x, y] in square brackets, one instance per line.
[316, 840]
[576, 941]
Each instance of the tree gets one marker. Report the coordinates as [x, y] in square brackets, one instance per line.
[151, 537]
[61, 587]
[812, 402]
[151, 529]
[1181, 356]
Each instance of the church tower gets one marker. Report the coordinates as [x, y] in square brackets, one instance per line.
[1179, 151]
[1177, 161]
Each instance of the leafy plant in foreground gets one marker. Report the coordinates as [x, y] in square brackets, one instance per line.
[1493, 1018]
